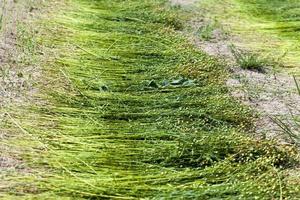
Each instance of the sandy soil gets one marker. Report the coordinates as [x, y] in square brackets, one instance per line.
[16, 77]
[183, 2]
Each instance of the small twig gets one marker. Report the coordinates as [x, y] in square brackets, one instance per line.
[87, 51]
[107, 50]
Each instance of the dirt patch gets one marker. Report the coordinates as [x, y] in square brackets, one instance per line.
[17, 76]
[183, 2]
[272, 95]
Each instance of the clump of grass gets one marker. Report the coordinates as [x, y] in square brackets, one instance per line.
[297, 84]
[249, 61]
[288, 129]
[206, 32]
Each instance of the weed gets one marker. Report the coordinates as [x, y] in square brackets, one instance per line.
[249, 61]
[206, 32]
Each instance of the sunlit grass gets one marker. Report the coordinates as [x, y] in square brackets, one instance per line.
[270, 27]
[104, 132]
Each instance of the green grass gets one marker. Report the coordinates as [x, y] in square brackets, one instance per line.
[270, 27]
[128, 109]
[206, 32]
[285, 12]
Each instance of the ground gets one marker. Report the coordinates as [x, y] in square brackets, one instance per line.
[17, 78]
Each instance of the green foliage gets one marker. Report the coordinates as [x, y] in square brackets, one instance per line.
[206, 32]
[275, 17]
[133, 111]
[278, 10]
[268, 27]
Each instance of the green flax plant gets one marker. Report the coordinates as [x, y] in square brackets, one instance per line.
[133, 111]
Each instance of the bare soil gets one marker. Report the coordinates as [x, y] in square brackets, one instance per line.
[183, 2]
[16, 77]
